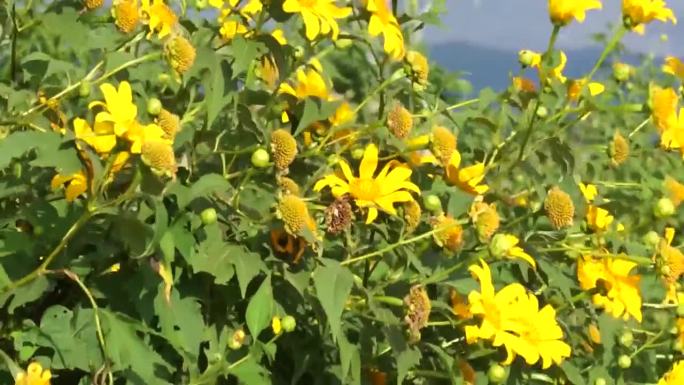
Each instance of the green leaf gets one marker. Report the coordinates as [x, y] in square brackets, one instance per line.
[573, 373]
[406, 356]
[51, 151]
[250, 372]
[315, 110]
[214, 256]
[244, 52]
[333, 284]
[181, 322]
[205, 186]
[26, 294]
[247, 266]
[260, 308]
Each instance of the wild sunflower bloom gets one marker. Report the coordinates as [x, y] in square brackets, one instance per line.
[556, 72]
[390, 186]
[675, 376]
[638, 12]
[338, 216]
[400, 121]
[101, 138]
[670, 260]
[159, 156]
[485, 218]
[412, 214]
[343, 115]
[576, 87]
[295, 215]
[34, 375]
[119, 109]
[419, 67]
[382, 21]
[126, 15]
[619, 149]
[563, 12]
[418, 307]
[589, 191]
[443, 144]
[449, 234]
[559, 208]
[598, 219]
[594, 333]
[664, 103]
[674, 66]
[469, 178]
[319, 16]
[159, 16]
[180, 53]
[675, 190]
[283, 148]
[310, 83]
[93, 4]
[618, 292]
[169, 123]
[74, 184]
[506, 246]
[231, 28]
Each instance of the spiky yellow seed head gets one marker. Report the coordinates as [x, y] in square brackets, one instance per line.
[169, 122]
[412, 213]
[619, 149]
[288, 186]
[283, 148]
[420, 69]
[400, 121]
[126, 15]
[295, 215]
[443, 143]
[671, 262]
[559, 208]
[418, 307]
[158, 155]
[485, 218]
[180, 53]
[338, 216]
[450, 234]
[93, 4]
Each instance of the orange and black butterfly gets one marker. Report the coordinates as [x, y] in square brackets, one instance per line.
[286, 246]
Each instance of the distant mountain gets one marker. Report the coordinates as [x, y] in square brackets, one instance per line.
[490, 67]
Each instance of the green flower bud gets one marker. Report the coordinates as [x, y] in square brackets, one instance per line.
[497, 374]
[357, 153]
[260, 158]
[208, 216]
[651, 239]
[627, 339]
[154, 106]
[526, 57]
[288, 323]
[542, 112]
[600, 381]
[624, 361]
[664, 208]
[433, 203]
[84, 89]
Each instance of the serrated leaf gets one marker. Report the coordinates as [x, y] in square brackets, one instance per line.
[247, 266]
[51, 151]
[333, 284]
[573, 373]
[181, 322]
[260, 308]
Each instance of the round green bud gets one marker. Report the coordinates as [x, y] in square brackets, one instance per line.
[627, 339]
[84, 89]
[298, 52]
[526, 57]
[497, 374]
[357, 153]
[237, 339]
[433, 203]
[343, 43]
[260, 158]
[542, 112]
[201, 4]
[234, 344]
[664, 38]
[208, 216]
[600, 381]
[333, 159]
[664, 208]
[621, 71]
[154, 106]
[288, 323]
[651, 239]
[164, 78]
[499, 245]
[624, 361]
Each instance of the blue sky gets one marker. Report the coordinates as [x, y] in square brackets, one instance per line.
[511, 25]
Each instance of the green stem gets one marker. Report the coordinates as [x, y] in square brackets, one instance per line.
[617, 36]
[395, 76]
[392, 301]
[458, 105]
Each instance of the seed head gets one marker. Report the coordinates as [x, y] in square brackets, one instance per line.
[288, 186]
[126, 15]
[619, 149]
[559, 208]
[338, 216]
[295, 215]
[412, 213]
[158, 155]
[443, 143]
[180, 53]
[283, 148]
[485, 218]
[400, 121]
[93, 4]
[169, 122]
[418, 307]
[420, 69]
[451, 235]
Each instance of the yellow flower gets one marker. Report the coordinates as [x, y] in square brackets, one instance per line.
[675, 190]
[559, 208]
[420, 68]
[319, 16]
[390, 186]
[664, 103]
[310, 83]
[279, 35]
[563, 11]
[506, 246]
[138, 134]
[74, 184]
[449, 234]
[119, 109]
[674, 66]
[576, 87]
[283, 148]
[598, 219]
[526, 85]
[400, 121]
[412, 214]
[485, 218]
[231, 28]
[619, 149]
[467, 179]
[169, 123]
[343, 114]
[675, 376]
[160, 17]
[93, 4]
[34, 375]
[547, 75]
[268, 72]
[101, 138]
[620, 295]
[671, 262]
[126, 14]
[382, 21]
[636, 12]
[589, 191]
[276, 325]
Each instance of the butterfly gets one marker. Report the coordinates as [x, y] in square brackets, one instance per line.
[286, 246]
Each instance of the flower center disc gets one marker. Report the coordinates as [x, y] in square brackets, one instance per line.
[364, 189]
